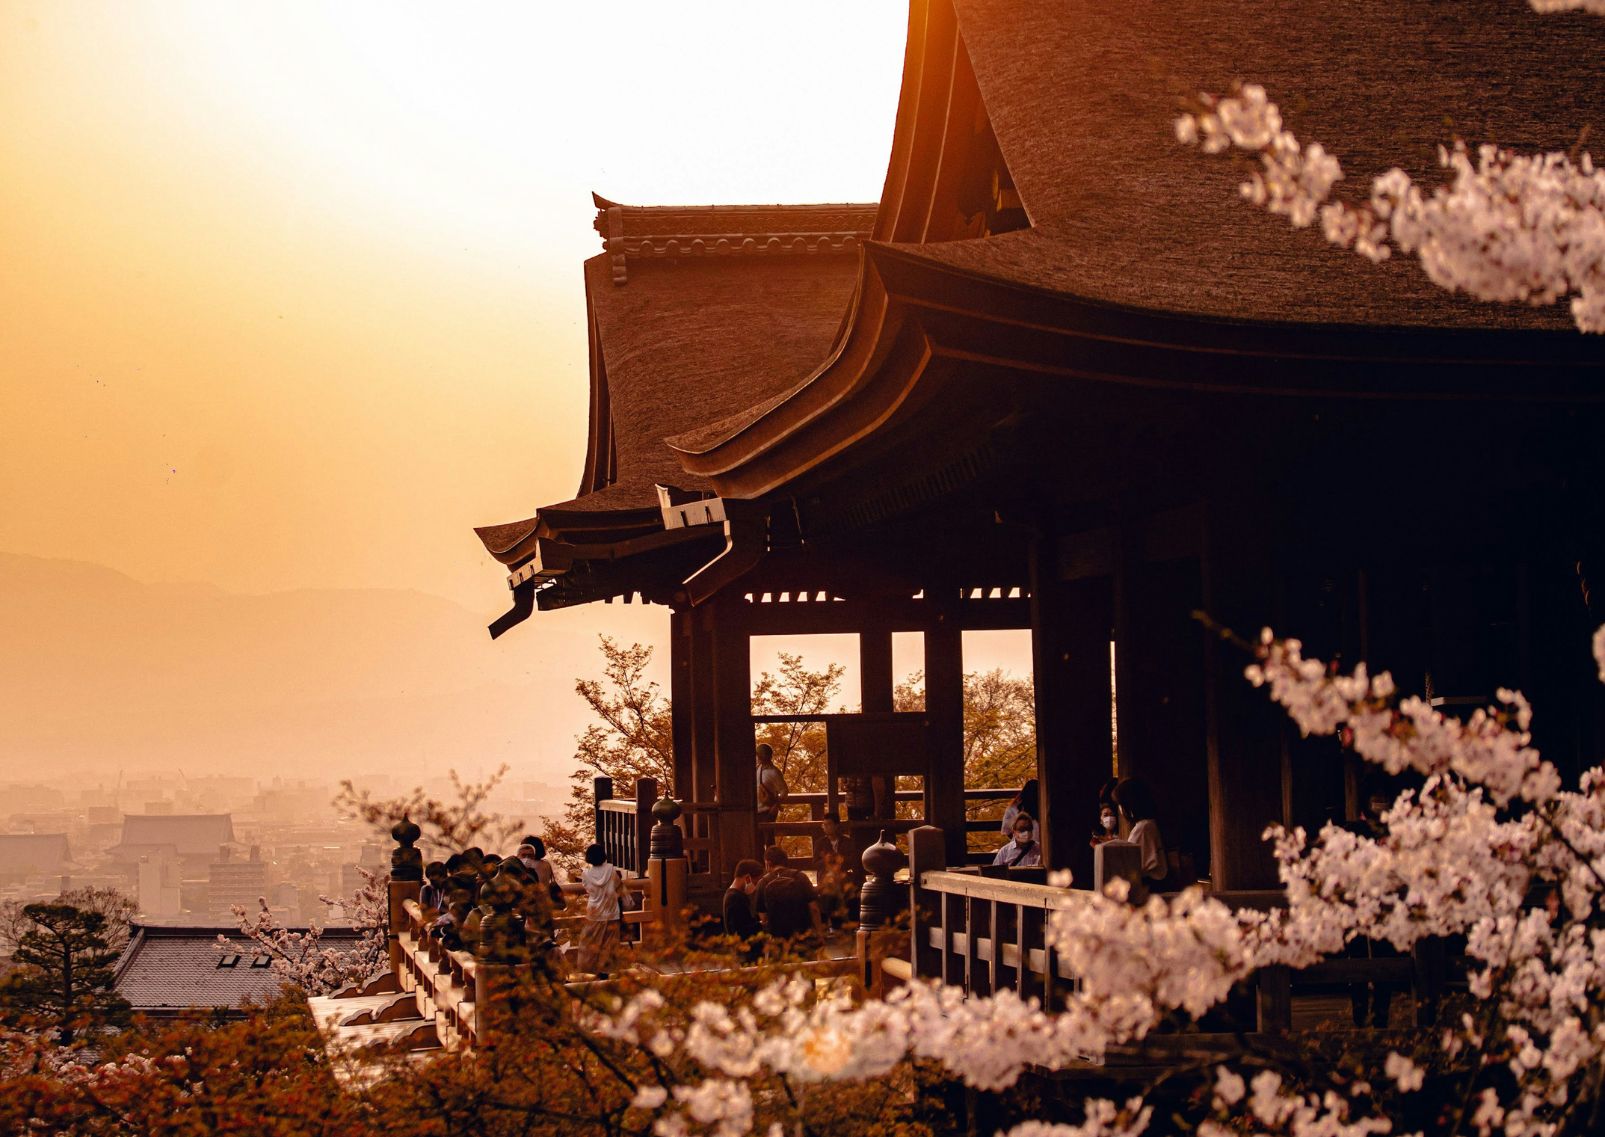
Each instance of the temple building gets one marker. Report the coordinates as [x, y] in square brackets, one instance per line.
[1062, 379]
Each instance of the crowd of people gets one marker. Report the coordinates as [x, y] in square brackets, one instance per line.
[455, 901]
[770, 905]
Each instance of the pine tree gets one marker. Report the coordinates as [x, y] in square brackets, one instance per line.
[64, 971]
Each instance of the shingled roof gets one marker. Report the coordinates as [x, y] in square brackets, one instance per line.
[172, 970]
[696, 313]
[1082, 96]
[31, 854]
[1036, 187]
[191, 834]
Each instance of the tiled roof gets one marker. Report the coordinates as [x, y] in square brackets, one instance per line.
[192, 834]
[171, 969]
[24, 854]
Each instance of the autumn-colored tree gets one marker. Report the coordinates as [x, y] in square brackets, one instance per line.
[64, 971]
[796, 691]
[632, 738]
[1000, 736]
[118, 909]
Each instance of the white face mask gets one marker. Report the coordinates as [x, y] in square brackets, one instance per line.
[1107, 820]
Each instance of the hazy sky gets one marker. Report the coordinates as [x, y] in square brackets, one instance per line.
[290, 294]
[291, 297]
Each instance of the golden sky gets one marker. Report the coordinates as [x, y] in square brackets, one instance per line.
[290, 294]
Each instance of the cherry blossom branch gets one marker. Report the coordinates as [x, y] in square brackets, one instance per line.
[1507, 228]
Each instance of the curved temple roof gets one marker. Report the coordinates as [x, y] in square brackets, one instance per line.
[1136, 239]
[1039, 214]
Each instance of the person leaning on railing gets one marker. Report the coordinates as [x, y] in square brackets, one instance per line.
[772, 788]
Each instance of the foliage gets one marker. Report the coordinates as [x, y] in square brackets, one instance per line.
[1000, 738]
[631, 739]
[448, 826]
[302, 959]
[118, 910]
[795, 690]
[64, 971]
[1459, 856]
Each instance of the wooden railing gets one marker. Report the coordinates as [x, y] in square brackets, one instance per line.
[624, 830]
[624, 825]
[985, 930]
[816, 804]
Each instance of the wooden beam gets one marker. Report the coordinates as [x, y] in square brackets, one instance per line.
[836, 617]
[1159, 653]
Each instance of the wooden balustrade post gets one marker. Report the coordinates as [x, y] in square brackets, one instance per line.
[501, 951]
[601, 790]
[878, 902]
[406, 882]
[927, 853]
[646, 796]
[1274, 1000]
[1119, 860]
[668, 873]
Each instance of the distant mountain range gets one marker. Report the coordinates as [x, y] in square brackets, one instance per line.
[99, 671]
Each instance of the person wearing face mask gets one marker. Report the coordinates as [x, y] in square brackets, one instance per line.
[1023, 849]
[740, 920]
[1108, 827]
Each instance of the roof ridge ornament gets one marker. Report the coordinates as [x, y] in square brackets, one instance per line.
[633, 232]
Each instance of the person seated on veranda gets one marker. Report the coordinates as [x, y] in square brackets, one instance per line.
[786, 899]
[1138, 809]
[1023, 850]
[1027, 801]
[449, 928]
[740, 917]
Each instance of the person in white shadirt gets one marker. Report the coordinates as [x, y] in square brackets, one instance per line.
[604, 912]
[772, 791]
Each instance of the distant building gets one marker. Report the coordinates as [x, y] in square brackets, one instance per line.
[32, 856]
[160, 885]
[178, 971]
[234, 882]
[193, 837]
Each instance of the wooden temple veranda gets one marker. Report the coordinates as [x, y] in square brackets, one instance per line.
[1060, 379]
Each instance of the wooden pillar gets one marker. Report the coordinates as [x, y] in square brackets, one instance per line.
[682, 706]
[1245, 730]
[1070, 632]
[875, 681]
[736, 762]
[1159, 656]
[944, 710]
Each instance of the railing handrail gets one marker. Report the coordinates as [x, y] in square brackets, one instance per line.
[1042, 896]
[616, 805]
